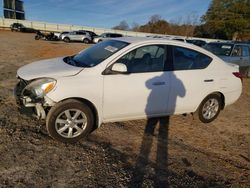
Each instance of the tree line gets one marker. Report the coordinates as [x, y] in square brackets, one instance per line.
[224, 19]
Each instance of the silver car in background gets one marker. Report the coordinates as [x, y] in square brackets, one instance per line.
[80, 36]
[236, 53]
[106, 36]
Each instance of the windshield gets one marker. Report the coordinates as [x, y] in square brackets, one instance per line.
[220, 49]
[96, 54]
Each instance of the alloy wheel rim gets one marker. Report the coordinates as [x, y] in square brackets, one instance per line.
[71, 123]
[210, 109]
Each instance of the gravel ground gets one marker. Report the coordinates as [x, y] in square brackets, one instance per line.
[173, 151]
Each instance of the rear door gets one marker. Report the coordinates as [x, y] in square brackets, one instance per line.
[190, 81]
[80, 35]
[237, 55]
[246, 55]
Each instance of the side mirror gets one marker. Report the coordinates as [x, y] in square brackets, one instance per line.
[119, 67]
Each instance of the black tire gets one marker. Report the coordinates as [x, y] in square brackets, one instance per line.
[66, 39]
[37, 37]
[248, 72]
[200, 113]
[86, 41]
[99, 40]
[60, 108]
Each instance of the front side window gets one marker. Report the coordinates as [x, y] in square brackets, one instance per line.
[94, 55]
[187, 59]
[145, 59]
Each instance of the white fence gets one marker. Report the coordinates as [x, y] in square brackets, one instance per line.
[44, 26]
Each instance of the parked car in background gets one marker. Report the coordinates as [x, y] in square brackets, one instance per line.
[233, 52]
[124, 79]
[197, 42]
[21, 28]
[16, 26]
[80, 36]
[106, 36]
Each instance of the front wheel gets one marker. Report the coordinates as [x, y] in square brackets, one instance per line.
[66, 39]
[69, 121]
[209, 108]
[37, 37]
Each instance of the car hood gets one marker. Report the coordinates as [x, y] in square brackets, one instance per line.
[52, 68]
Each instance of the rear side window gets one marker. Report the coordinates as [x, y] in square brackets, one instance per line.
[245, 51]
[187, 59]
[81, 33]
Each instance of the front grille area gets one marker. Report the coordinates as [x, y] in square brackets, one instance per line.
[19, 88]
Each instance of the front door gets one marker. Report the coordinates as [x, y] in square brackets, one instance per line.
[143, 91]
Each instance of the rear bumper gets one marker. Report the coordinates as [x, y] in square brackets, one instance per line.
[232, 97]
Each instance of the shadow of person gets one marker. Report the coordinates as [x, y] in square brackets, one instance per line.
[142, 166]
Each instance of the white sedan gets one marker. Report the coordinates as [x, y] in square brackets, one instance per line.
[124, 79]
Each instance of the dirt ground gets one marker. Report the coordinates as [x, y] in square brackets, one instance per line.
[173, 151]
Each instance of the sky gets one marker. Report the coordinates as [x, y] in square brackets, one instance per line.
[108, 13]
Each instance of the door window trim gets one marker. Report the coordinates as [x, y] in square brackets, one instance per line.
[167, 59]
[171, 60]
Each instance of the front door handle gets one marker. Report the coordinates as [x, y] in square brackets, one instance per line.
[209, 80]
[159, 83]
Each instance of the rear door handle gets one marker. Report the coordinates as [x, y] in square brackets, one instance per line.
[209, 80]
[159, 83]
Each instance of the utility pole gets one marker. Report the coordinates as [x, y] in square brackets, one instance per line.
[14, 6]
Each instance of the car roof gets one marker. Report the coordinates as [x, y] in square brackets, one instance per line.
[133, 40]
[144, 40]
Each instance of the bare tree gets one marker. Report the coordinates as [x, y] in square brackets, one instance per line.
[123, 25]
[155, 18]
[135, 26]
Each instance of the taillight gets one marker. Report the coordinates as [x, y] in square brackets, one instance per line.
[238, 75]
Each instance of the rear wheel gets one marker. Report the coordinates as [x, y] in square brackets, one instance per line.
[248, 72]
[37, 37]
[86, 41]
[69, 121]
[209, 108]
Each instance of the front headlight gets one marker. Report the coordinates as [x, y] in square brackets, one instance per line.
[39, 88]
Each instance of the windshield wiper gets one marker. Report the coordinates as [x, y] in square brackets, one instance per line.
[71, 61]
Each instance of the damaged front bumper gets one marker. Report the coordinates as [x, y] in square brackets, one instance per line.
[39, 107]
